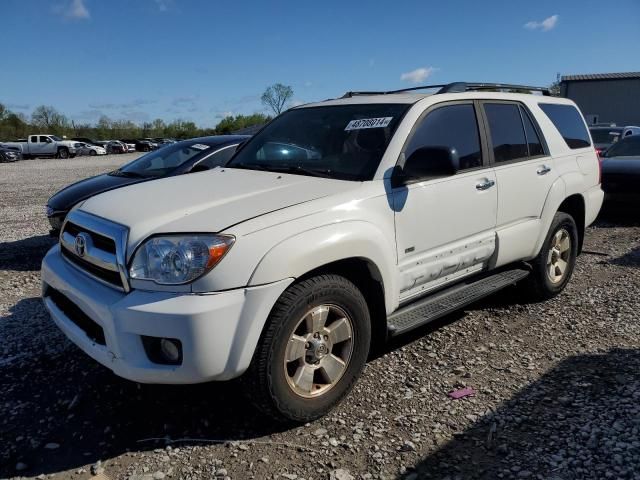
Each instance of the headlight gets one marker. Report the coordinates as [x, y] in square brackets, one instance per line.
[178, 259]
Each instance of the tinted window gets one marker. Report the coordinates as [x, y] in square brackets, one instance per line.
[451, 126]
[533, 140]
[219, 158]
[345, 142]
[507, 133]
[34, 139]
[43, 139]
[569, 123]
[628, 147]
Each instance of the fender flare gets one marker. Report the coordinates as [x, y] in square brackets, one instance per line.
[293, 257]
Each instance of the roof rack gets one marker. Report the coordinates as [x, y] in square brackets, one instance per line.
[457, 87]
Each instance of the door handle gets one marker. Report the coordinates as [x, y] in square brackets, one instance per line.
[485, 185]
[543, 170]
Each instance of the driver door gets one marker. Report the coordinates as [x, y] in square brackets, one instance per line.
[445, 226]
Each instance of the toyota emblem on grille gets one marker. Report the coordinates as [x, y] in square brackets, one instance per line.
[80, 244]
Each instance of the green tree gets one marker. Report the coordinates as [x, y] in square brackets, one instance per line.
[276, 97]
[49, 119]
[232, 123]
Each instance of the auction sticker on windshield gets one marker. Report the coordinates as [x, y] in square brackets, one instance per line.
[200, 146]
[380, 122]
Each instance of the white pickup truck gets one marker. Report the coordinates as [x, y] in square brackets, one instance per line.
[338, 225]
[42, 145]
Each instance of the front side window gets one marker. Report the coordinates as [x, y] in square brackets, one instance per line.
[344, 142]
[569, 123]
[507, 132]
[452, 126]
[44, 139]
[629, 147]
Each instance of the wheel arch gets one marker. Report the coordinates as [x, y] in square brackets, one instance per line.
[574, 205]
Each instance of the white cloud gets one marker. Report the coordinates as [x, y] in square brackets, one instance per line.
[76, 10]
[224, 114]
[545, 25]
[418, 75]
[163, 5]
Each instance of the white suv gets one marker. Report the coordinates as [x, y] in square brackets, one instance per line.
[339, 224]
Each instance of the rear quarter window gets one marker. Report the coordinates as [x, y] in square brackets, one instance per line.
[569, 123]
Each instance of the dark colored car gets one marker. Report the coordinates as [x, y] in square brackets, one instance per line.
[115, 146]
[141, 145]
[621, 168]
[9, 155]
[193, 155]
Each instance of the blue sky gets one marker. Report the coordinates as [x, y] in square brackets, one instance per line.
[199, 60]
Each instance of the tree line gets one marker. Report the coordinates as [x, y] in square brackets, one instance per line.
[46, 119]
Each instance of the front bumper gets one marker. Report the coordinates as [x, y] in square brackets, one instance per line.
[218, 331]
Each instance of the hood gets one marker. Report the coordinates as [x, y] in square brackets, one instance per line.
[76, 192]
[209, 201]
[621, 165]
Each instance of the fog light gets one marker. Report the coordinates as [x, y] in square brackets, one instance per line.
[170, 349]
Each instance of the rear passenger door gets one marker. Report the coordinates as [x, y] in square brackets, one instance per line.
[524, 172]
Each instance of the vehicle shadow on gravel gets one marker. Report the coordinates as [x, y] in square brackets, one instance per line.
[60, 410]
[25, 255]
[580, 420]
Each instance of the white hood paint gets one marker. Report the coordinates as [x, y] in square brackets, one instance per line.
[208, 201]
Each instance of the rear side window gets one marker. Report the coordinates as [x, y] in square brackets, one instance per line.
[569, 123]
[220, 158]
[533, 140]
[507, 133]
[452, 126]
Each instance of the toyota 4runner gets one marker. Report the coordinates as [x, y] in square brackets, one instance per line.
[338, 225]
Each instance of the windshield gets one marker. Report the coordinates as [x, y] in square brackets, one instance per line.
[605, 135]
[55, 138]
[162, 162]
[344, 142]
[629, 147]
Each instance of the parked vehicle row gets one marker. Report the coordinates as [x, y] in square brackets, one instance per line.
[339, 225]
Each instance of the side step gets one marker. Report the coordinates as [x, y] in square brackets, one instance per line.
[450, 299]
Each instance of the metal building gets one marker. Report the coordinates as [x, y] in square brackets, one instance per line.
[605, 97]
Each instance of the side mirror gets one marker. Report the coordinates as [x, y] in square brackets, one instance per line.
[430, 162]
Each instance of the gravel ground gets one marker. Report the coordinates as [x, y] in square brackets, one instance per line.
[557, 384]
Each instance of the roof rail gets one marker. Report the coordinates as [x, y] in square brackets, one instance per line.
[457, 87]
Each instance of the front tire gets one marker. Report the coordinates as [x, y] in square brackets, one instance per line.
[553, 267]
[312, 350]
[63, 153]
[92, 153]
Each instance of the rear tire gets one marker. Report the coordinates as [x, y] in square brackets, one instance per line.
[312, 350]
[553, 267]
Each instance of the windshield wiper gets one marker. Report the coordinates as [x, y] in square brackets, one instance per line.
[120, 173]
[285, 169]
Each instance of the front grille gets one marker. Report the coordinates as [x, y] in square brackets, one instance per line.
[95, 246]
[100, 241]
[113, 278]
[77, 316]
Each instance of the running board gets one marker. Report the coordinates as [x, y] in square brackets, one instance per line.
[451, 299]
